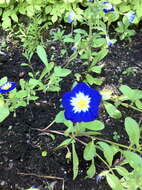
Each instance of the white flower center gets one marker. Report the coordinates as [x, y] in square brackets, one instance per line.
[108, 6]
[80, 102]
[6, 86]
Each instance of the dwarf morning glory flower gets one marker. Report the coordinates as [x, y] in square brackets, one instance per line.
[81, 104]
[109, 42]
[107, 7]
[71, 16]
[131, 16]
[6, 87]
[73, 48]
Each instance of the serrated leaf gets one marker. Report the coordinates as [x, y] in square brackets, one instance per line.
[112, 110]
[89, 151]
[133, 131]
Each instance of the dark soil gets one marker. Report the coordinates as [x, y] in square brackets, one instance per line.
[21, 162]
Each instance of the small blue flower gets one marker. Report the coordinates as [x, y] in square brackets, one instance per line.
[6, 87]
[73, 48]
[71, 16]
[81, 104]
[109, 42]
[131, 16]
[107, 7]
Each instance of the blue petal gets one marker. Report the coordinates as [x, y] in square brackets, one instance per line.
[106, 10]
[82, 116]
[131, 16]
[81, 87]
[71, 16]
[13, 85]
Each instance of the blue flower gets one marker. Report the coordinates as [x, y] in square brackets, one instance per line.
[71, 16]
[81, 104]
[73, 48]
[107, 7]
[109, 42]
[131, 16]
[6, 87]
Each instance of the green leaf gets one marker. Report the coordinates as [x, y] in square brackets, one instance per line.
[139, 104]
[14, 17]
[24, 64]
[4, 111]
[114, 182]
[108, 151]
[133, 131]
[90, 79]
[116, 2]
[33, 83]
[42, 54]
[134, 160]
[6, 22]
[93, 125]
[75, 162]
[99, 42]
[127, 91]
[122, 171]
[100, 55]
[3, 80]
[60, 117]
[80, 31]
[89, 151]
[98, 81]
[91, 170]
[60, 72]
[46, 70]
[112, 110]
[65, 142]
[97, 69]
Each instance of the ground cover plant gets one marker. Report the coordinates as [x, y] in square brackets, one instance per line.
[70, 95]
